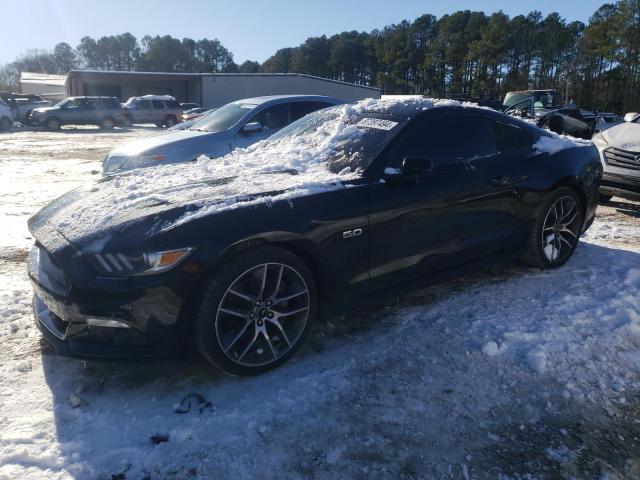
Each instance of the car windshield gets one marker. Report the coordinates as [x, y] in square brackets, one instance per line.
[223, 118]
[62, 103]
[362, 137]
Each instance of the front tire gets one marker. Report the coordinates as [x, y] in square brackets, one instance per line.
[5, 124]
[256, 311]
[107, 123]
[52, 124]
[556, 231]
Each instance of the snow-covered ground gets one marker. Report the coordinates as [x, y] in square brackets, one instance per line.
[508, 373]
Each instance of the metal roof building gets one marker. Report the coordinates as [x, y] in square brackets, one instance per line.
[207, 89]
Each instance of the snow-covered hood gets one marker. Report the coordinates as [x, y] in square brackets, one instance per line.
[625, 136]
[87, 215]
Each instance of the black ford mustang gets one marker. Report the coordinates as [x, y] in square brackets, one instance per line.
[240, 255]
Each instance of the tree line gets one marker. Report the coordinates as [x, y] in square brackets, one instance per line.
[465, 54]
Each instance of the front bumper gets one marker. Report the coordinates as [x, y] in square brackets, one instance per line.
[149, 316]
[620, 185]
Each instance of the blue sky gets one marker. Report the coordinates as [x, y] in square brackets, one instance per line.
[251, 29]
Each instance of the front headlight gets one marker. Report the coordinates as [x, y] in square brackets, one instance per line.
[599, 141]
[133, 265]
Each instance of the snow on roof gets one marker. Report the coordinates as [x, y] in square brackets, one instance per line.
[43, 78]
[553, 143]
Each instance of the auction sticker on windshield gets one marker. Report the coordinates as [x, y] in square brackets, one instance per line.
[378, 123]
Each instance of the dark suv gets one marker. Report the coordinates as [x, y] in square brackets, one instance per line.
[106, 112]
[158, 109]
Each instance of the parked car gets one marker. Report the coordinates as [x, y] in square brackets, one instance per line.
[193, 113]
[6, 117]
[544, 106]
[163, 110]
[345, 207]
[235, 125]
[619, 149]
[189, 106]
[106, 112]
[22, 104]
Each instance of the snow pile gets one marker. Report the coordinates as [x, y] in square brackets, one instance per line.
[553, 143]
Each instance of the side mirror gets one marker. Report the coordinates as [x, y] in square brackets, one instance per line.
[416, 165]
[631, 116]
[252, 127]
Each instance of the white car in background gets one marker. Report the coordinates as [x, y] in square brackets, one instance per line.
[619, 149]
[6, 116]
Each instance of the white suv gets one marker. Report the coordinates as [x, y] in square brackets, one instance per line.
[158, 109]
[6, 116]
[619, 148]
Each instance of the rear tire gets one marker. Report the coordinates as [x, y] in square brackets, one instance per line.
[256, 311]
[170, 121]
[52, 124]
[5, 124]
[107, 123]
[556, 231]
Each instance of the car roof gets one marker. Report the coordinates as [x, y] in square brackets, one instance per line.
[275, 98]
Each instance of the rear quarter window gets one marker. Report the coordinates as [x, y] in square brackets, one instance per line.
[172, 104]
[511, 137]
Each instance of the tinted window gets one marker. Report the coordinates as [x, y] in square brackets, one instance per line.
[172, 104]
[273, 118]
[111, 103]
[300, 109]
[446, 140]
[91, 103]
[158, 104]
[510, 137]
[144, 104]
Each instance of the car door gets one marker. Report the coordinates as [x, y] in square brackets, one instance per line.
[73, 111]
[437, 219]
[159, 110]
[144, 112]
[271, 119]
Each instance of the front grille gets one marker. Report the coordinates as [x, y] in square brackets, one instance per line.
[622, 158]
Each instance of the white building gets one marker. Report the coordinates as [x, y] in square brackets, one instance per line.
[50, 87]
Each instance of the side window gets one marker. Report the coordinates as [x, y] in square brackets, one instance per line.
[273, 118]
[144, 104]
[300, 109]
[172, 104]
[89, 104]
[447, 140]
[158, 104]
[510, 137]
